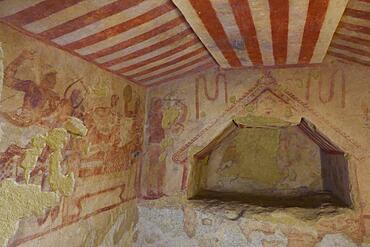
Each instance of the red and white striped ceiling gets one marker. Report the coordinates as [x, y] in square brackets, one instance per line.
[146, 41]
[352, 37]
[264, 32]
[151, 41]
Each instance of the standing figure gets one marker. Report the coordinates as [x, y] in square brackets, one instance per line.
[156, 167]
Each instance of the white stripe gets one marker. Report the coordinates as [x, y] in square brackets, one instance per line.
[353, 33]
[108, 22]
[359, 5]
[66, 15]
[133, 32]
[152, 54]
[351, 44]
[11, 7]
[350, 54]
[260, 10]
[181, 71]
[225, 14]
[164, 60]
[197, 25]
[144, 44]
[173, 66]
[297, 21]
[356, 21]
[333, 14]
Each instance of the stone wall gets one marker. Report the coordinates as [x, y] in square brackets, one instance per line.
[71, 141]
[185, 116]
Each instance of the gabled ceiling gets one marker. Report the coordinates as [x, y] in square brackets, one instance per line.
[150, 41]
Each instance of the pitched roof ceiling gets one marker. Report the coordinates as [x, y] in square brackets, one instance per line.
[150, 41]
[352, 37]
[146, 41]
[264, 32]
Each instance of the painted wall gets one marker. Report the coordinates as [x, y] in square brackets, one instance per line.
[264, 160]
[185, 116]
[70, 144]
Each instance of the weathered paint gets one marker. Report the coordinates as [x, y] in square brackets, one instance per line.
[333, 96]
[75, 126]
[71, 129]
[32, 154]
[260, 121]
[245, 152]
[19, 201]
[169, 116]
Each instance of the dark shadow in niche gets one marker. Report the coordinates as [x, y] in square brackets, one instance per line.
[268, 162]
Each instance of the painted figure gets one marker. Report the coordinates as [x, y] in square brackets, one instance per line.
[166, 118]
[39, 100]
[156, 167]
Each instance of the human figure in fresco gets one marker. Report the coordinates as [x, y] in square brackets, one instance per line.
[166, 118]
[122, 156]
[156, 167]
[125, 154]
[104, 126]
[41, 105]
[39, 100]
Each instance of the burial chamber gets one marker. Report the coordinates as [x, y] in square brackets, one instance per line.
[269, 162]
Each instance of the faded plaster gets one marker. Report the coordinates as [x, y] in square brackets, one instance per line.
[76, 141]
[333, 96]
[18, 202]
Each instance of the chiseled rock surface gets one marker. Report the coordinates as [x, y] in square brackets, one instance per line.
[167, 223]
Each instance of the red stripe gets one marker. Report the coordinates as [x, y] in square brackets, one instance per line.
[150, 48]
[315, 17]
[356, 28]
[352, 39]
[352, 59]
[89, 18]
[175, 69]
[142, 37]
[39, 11]
[169, 63]
[351, 49]
[357, 13]
[122, 27]
[161, 56]
[279, 17]
[193, 71]
[244, 20]
[211, 22]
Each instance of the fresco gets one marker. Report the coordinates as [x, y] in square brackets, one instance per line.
[166, 117]
[73, 131]
[334, 96]
[290, 163]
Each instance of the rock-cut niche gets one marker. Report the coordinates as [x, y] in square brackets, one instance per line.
[269, 162]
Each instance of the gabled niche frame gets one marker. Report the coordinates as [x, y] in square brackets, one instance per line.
[334, 164]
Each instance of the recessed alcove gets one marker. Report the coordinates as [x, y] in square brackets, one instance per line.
[269, 162]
